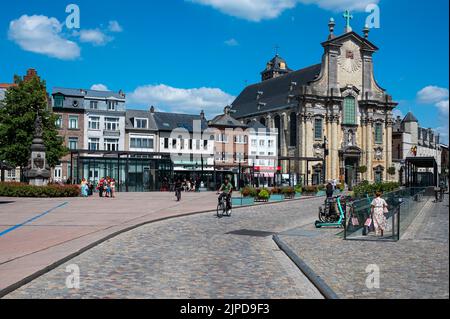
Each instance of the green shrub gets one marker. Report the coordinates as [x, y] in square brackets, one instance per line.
[391, 171]
[50, 191]
[365, 188]
[264, 194]
[298, 189]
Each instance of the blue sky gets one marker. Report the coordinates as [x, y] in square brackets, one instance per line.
[187, 55]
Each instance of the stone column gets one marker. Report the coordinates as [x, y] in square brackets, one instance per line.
[389, 147]
[364, 144]
[298, 166]
[329, 136]
[304, 143]
[369, 136]
[335, 148]
[309, 141]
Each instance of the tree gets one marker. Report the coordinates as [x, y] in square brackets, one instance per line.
[391, 171]
[17, 117]
[362, 169]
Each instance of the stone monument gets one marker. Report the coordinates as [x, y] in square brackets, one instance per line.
[38, 171]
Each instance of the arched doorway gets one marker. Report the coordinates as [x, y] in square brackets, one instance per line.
[350, 162]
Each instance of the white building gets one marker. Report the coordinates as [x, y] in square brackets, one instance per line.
[410, 140]
[262, 150]
[105, 121]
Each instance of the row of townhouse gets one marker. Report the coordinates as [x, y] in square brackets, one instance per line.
[144, 149]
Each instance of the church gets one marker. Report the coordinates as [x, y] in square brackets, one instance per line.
[334, 110]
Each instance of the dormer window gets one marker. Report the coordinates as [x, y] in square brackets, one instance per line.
[112, 105]
[93, 105]
[59, 100]
[141, 123]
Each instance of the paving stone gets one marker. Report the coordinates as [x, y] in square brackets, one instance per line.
[190, 257]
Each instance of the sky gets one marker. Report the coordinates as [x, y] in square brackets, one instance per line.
[192, 55]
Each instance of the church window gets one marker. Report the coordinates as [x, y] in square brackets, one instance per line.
[318, 129]
[379, 133]
[277, 122]
[293, 130]
[350, 110]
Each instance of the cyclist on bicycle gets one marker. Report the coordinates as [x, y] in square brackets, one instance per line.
[226, 190]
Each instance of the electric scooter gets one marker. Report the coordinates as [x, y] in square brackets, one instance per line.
[333, 215]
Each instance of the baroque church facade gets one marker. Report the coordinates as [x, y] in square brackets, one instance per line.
[334, 110]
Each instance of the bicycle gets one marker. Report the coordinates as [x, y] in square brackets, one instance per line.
[222, 209]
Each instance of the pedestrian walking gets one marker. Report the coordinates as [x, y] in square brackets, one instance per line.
[378, 209]
[84, 188]
[113, 188]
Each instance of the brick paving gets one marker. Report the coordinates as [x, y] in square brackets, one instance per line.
[190, 257]
[415, 267]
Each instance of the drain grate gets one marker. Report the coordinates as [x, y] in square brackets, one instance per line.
[251, 233]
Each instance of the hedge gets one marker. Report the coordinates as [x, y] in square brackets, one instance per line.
[50, 191]
[365, 188]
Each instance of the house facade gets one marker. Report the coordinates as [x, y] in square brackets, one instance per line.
[88, 120]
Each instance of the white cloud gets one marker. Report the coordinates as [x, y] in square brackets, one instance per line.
[257, 10]
[341, 5]
[443, 107]
[114, 26]
[432, 94]
[99, 87]
[437, 96]
[211, 100]
[232, 42]
[94, 36]
[43, 35]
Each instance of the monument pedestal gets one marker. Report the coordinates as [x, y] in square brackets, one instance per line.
[38, 171]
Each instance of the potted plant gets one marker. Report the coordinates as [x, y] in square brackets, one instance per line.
[288, 192]
[298, 190]
[248, 197]
[276, 194]
[310, 190]
[264, 195]
[321, 190]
